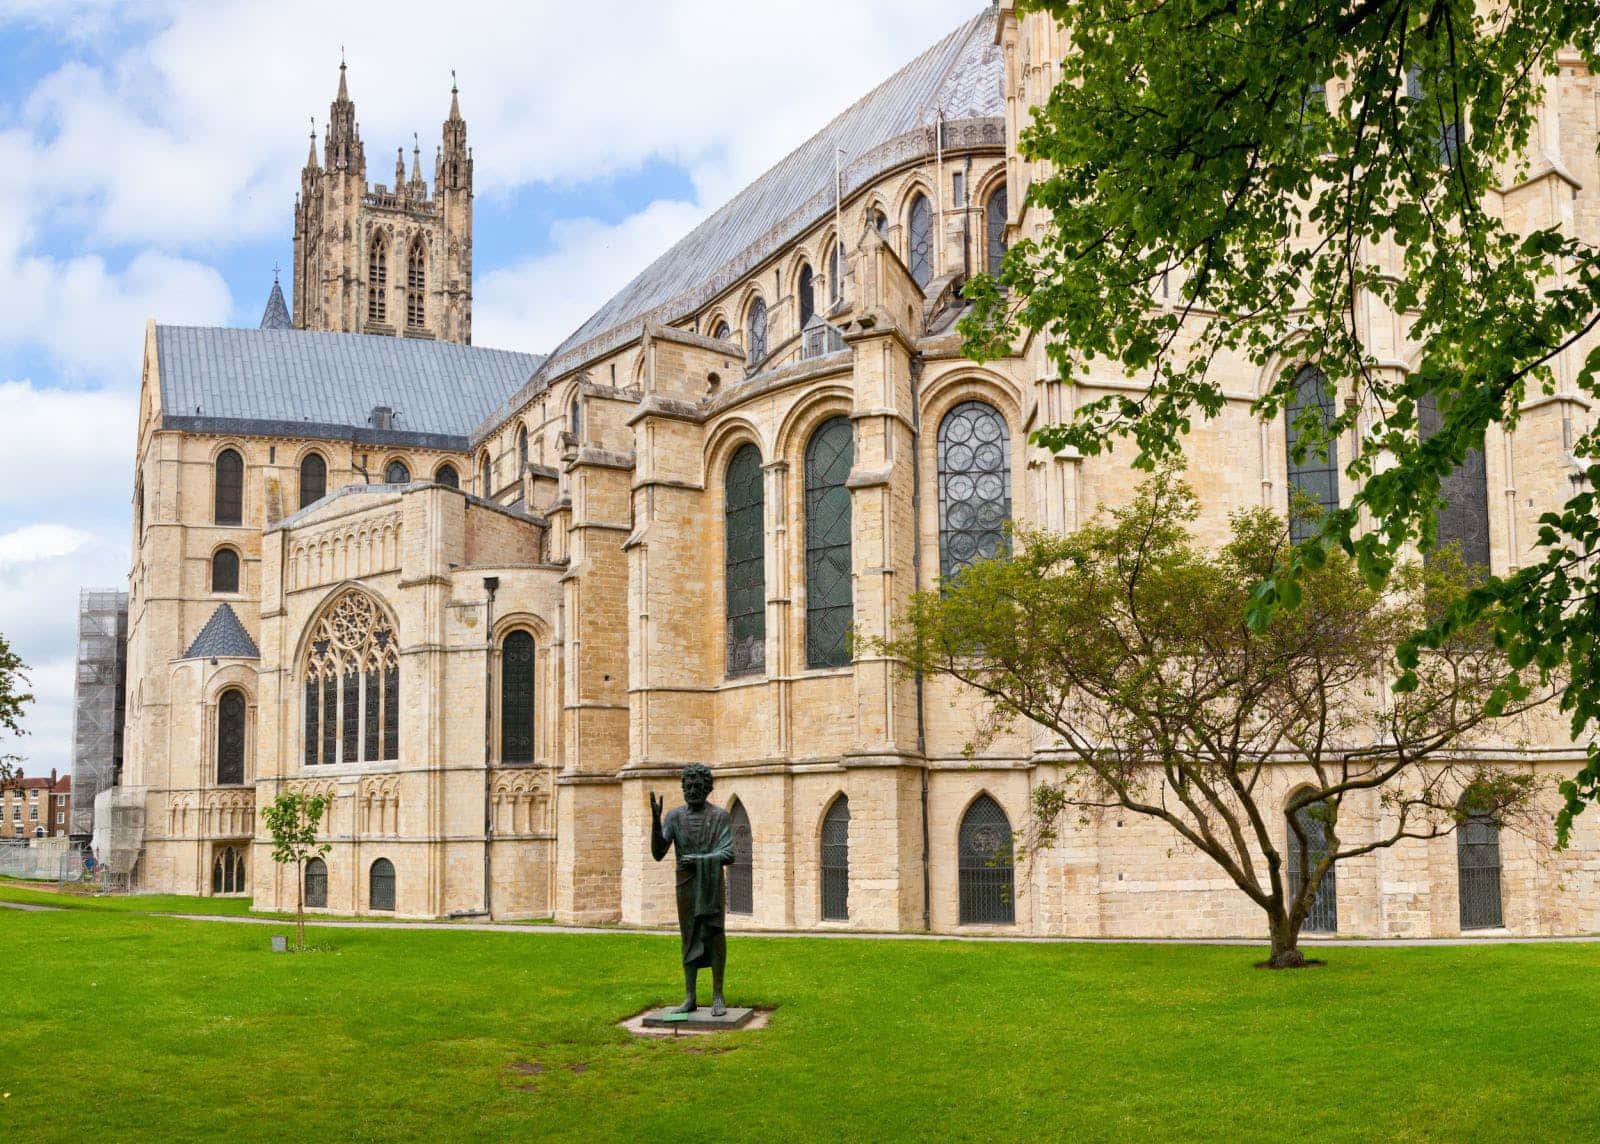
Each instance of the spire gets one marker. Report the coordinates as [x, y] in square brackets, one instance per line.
[342, 150]
[416, 162]
[454, 169]
[276, 316]
[311, 156]
[455, 104]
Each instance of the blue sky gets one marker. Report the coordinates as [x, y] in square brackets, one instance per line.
[150, 152]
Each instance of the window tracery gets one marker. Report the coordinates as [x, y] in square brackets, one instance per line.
[416, 287]
[378, 281]
[352, 685]
[919, 240]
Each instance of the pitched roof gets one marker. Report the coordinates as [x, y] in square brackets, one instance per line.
[305, 383]
[960, 75]
[276, 315]
[223, 637]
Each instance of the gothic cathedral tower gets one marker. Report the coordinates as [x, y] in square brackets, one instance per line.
[384, 260]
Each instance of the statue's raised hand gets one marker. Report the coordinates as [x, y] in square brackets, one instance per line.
[656, 805]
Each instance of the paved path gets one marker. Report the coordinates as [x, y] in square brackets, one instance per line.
[30, 906]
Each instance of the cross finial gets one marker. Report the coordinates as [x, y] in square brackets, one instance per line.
[416, 147]
[274, 271]
[452, 81]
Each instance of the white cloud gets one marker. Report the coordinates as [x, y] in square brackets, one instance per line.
[33, 542]
[66, 451]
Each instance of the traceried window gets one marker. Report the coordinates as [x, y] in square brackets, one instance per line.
[836, 861]
[352, 685]
[974, 486]
[447, 475]
[380, 885]
[416, 286]
[919, 240]
[317, 883]
[1478, 871]
[756, 327]
[1324, 914]
[994, 229]
[313, 479]
[984, 864]
[829, 455]
[808, 297]
[230, 737]
[1464, 517]
[741, 889]
[378, 280]
[225, 570]
[744, 562]
[1316, 473]
[396, 473]
[516, 698]
[227, 871]
[229, 506]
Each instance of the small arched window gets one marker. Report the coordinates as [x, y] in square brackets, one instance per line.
[974, 486]
[1313, 464]
[994, 229]
[230, 737]
[836, 861]
[721, 333]
[317, 883]
[225, 570]
[229, 507]
[741, 881]
[380, 885]
[756, 326]
[378, 280]
[575, 416]
[1324, 914]
[138, 506]
[416, 286]
[1464, 515]
[227, 871]
[745, 563]
[313, 479]
[447, 475]
[516, 698]
[880, 223]
[919, 239]
[485, 475]
[829, 456]
[836, 274]
[396, 473]
[984, 864]
[1478, 871]
[522, 451]
[808, 298]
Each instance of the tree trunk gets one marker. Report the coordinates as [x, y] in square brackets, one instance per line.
[1286, 946]
[299, 908]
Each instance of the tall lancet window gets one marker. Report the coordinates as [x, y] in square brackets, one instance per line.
[994, 230]
[352, 685]
[378, 280]
[746, 587]
[416, 286]
[919, 240]
[1313, 464]
[829, 591]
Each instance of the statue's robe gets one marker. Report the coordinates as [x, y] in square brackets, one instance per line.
[704, 844]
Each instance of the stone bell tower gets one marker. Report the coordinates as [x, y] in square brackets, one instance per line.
[393, 260]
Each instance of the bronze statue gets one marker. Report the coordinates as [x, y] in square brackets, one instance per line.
[703, 835]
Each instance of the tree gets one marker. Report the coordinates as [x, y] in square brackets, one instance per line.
[292, 819]
[1131, 648]
[1279, 170]
[13, 678]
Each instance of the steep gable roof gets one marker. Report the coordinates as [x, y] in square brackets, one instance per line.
[276, 315]
[223, 637]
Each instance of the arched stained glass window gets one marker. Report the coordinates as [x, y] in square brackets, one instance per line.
[229, 488]
[313, 479]
[396, 473]
[1478, 871]
[516, 698]
[317, 883]
[994, 229]
[1313, 465]
[230, 737]
[522, 451]
[1324, 914]
[836, 861]
[352, 685]
[974, 486]
[745, 564]
[227, 871]
[447, 475]
[829, 456]
[741, 882]
[983, 864]
[416, 286]
[378, 280]
[919, 240]
[225, 570]
[808, 298]
[380, 888]
[1464, 516]
[721, 333]
[757, 329]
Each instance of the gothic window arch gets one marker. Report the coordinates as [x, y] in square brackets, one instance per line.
[879, 221]
[983, 864]
[517, 697]
[741, 881]
[380, 886]
[416, 285]
[396, 473]
[1478, 871]
[974, 486]
[522, 450]
[485, 474]
[1464, 516]
[836, 273]
[1324, 914]
[227, 871]
[1315, 474]
[378, 279]
[229, 493]
[446, 475]
[994, 229]
[313, 479]
[352, 685]
[721, 332]
[829, 456]
[744, 562]
[224, 570]
[317, 883]
[756, 327]
[836, 861]
[808, 296]
[231, 736]
[575, 415]
[919, 239]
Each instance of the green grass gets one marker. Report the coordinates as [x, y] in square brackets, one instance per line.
[132, 1026]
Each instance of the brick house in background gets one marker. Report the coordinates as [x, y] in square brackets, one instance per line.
[35, 805]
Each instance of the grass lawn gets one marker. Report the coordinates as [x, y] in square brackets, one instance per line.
[152, 1028]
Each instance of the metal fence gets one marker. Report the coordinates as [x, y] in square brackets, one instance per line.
[41, 863]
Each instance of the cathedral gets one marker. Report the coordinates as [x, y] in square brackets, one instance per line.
[488, 601]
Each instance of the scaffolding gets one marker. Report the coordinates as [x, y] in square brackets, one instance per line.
[98, 700]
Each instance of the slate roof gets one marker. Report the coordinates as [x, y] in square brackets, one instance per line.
[276, 315]
[223, 637]
[960, 75]
[304, 383]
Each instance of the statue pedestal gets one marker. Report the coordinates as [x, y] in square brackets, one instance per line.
[700, 1020]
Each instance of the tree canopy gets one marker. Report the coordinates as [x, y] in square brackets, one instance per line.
[1264, 181]
[13, 698]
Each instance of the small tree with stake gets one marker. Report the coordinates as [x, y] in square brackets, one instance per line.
[293, 819]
